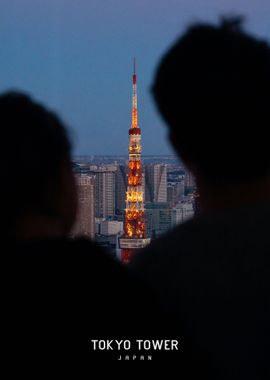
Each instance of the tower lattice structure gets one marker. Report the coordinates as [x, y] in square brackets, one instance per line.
[134, 226]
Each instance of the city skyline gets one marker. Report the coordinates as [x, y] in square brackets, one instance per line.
[123, 204]
[76, 58]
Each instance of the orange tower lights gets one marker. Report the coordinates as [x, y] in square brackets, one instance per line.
[134, 227]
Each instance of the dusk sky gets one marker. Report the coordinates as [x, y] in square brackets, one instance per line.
[76, 57]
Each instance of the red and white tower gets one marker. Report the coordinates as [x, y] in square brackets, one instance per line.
[134, 236]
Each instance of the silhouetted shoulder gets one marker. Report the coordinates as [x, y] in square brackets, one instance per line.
[62, 294]
[209, 235]
[212, 273]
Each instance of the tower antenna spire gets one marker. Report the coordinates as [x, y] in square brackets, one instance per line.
[134, 122]
[134, 73]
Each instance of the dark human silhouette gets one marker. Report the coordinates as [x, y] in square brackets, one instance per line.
[213, 272]
[58, 294]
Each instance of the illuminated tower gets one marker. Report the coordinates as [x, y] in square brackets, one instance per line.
[134, 228]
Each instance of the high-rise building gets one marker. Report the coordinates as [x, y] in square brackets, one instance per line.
[85, 219]
[134, 227]
[158, 218]
[111, 227]
[104, 190]
[156, 183]
[190, 184]
[175, 192]
[120, 189]
[182, 212]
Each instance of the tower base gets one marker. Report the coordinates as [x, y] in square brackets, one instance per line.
[129, 246]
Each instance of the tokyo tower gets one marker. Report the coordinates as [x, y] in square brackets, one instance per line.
[134, 236]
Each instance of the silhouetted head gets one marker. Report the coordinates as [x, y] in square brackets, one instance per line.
[213, 89]
[37, 184]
